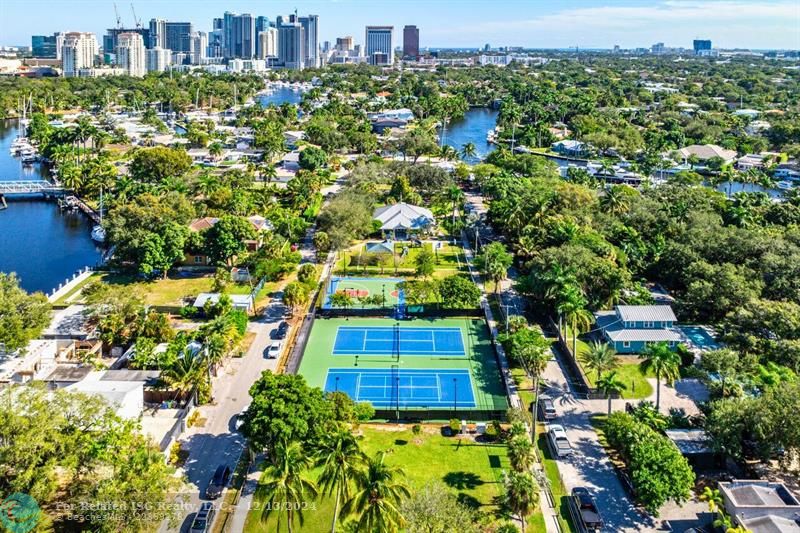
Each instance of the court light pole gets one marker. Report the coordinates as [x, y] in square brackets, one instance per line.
[383, 297]
[337, 383]
[455, 396]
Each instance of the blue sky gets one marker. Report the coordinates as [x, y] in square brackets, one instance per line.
[463, 23]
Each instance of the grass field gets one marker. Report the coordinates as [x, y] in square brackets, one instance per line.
[479, 361]
[449, 260]
[471, 470]
[630, 373]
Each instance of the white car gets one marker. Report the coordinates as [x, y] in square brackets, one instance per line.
[274, 350]
[559, 443]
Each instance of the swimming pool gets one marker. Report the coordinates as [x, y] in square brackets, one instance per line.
[700, 337]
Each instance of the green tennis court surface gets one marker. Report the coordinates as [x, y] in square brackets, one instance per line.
[360, 288]
[435, 364]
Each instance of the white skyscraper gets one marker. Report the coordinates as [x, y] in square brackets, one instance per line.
[158, 59]
[378, 45]
[78, 52]
[130, 54]
[310, 25]
[268, 43]
[199, 46]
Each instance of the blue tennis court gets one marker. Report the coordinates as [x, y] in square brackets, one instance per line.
[416, 387]
[363, 340]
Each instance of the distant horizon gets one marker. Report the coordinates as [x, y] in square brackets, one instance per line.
[467, 24]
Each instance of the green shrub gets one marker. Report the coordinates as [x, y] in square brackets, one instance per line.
[416, 429]
[188, 311]
[455, 425]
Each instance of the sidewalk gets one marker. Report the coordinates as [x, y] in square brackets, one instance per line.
[246, 498]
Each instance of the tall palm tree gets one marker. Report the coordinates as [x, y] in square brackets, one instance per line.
[572, 305]
[468, 150]
[340, 457]
[184, 374]
[378, 495]
[456, 197]
[664, 362]
[288, 482]
[521, 494]
[520, 453]
[610, 384]
[601, 357]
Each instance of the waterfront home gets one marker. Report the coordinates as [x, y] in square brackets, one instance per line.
[630, 328]
[787, 171]
[704, 152]
[402, 220]
[571, 148]
[761, 506]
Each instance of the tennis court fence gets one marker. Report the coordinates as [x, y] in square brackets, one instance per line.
[412, 311]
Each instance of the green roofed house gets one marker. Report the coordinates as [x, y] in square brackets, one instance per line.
[630, 328]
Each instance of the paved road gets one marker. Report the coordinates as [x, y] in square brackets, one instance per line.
[217, 442]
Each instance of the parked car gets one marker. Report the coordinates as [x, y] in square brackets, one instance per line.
[217, 484]
[203, 519]
[547, 408]
[240, 417]
[273, 350]
[559, 443]
[584, 511]
[283, 329]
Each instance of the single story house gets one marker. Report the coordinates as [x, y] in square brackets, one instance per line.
[704, 152]
[630, 328]
[695, 445]
[402, 220]
[126, 397]
[292, 137]
[291, 161]
[761, 506]
[240, 302]
[571, 148]
[260, 224]
[788, 171]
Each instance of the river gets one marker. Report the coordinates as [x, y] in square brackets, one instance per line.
[37, 241]
[280, 94]
[472, 128]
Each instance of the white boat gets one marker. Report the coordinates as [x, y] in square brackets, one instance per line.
[785, 185]
[98, 234]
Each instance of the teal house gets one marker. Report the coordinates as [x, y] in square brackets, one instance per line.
[630, 328]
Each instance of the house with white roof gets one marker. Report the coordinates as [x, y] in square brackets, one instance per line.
[704, 152]
[401, 220]
[240, 302]
[631, 328]
[571, 148]
[761, 506]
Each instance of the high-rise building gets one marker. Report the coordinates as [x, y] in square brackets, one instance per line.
[657, 48]
[78, 52]
[262, 23]
[178, 37]
[310, 25]
[130, 54]
[268, 43]
[239, 35]
[215, 40]
[158, 33]
[701, 45]
[378, 45]
[46, 46]
[199, 47]
[291, 45]
[158, 59]
[411, 41]
[111, 37]
[344, 44]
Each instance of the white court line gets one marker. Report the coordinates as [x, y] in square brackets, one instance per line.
[438, 388]
[358, 386]
[364, 344]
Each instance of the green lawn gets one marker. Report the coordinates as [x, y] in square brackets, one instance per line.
[631, 374]
[472, 470]
[449, 260]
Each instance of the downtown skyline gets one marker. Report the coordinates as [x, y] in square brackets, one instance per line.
[630, 24]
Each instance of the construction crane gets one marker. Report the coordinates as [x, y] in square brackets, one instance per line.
[116, 13]
[135, 19]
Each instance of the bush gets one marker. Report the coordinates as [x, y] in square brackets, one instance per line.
[416, 429]
[364, 411]
[492, 430]
[192, 418]
[306, 273]
[188, 311]
[175, 453]
[455, 425]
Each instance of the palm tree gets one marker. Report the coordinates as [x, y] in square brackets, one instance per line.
[215, 149]
[207, 184]
[601, 357]
[468, 150]
[572, 306]
[520, 453]
[340, 457]
[609, 385]
[521, 494]
[456, 197]
[615, 199]
[378, 495]
[664, 362]
[184, 374]
[448, 153]
[287, 482]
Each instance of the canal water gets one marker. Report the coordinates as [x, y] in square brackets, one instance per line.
[472, 128]
[280, 95]
[37, 241]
